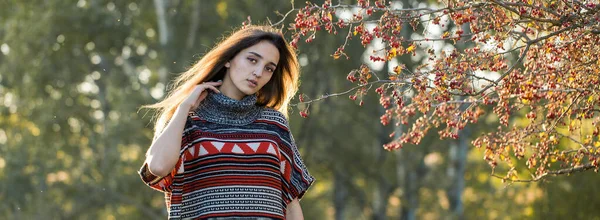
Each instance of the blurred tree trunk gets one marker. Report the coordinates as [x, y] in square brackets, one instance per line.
[165, 33]
[456, 172]
[104, 142]
[194, 25]
[340, 194]
[381, 195]
[410, 169]
[383, 188]
[412, 184]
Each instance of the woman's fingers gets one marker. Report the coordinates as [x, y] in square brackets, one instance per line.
[210, 83]
[203, 86]
[213, 83]
[203, 95]
[213, 88]
[198, 94]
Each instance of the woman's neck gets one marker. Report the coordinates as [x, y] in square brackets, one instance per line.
[229, 90]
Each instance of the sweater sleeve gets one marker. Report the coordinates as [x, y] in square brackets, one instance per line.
[163, 184]
[296, 177]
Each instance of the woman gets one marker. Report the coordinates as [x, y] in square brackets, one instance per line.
[222, 147]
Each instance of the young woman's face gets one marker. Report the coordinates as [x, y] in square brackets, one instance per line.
[250, 70]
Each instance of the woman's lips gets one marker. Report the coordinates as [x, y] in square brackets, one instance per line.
[252, 83]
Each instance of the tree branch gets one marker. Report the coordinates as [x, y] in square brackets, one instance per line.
[571, 170]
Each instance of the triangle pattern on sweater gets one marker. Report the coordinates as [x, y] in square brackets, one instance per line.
[214, 147]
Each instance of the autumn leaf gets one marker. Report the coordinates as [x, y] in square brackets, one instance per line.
[446, 34]
[397, 69]
[392, 53]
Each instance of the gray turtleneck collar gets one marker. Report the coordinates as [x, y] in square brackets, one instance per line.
[220, 109]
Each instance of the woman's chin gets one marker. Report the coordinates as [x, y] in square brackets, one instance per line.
[248, 91]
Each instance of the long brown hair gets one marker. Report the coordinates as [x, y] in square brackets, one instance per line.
[276, 94]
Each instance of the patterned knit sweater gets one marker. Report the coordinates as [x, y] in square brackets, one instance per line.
[238, 161]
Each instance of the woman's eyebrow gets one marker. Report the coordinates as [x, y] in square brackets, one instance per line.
[261, 57]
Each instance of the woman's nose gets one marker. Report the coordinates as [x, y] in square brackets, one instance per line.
[257, 73]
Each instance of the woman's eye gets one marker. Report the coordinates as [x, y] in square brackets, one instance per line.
[252, 60]
[270, 69]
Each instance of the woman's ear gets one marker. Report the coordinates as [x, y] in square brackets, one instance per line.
[227, 65]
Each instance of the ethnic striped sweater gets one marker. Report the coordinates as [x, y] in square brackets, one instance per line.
[238, 161]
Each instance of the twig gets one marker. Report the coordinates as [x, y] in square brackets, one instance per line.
[285, 16]
[563, 113]
[506, 73]
[346, 92]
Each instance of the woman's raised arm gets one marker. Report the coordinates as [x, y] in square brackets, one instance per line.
[163, 154]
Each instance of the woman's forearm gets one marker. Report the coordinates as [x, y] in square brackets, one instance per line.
[294, 211]
[164, 151]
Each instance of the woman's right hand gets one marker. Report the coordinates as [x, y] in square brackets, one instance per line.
[198, 94]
